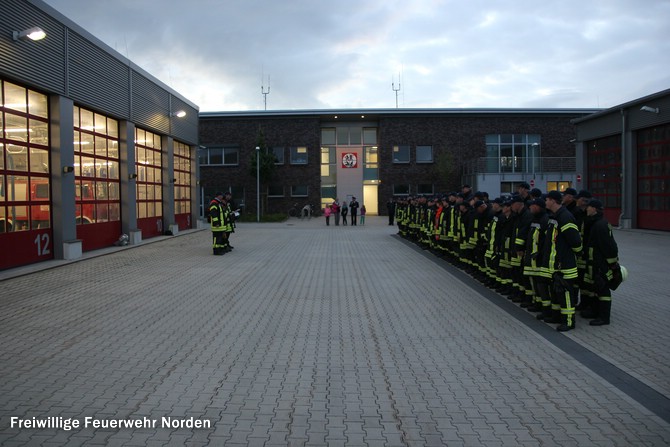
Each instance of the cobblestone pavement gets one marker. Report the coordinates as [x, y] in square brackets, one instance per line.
[315, 335]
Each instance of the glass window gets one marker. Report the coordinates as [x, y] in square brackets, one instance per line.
[343, 136]
[355, 135]
[215, 156]
[275, 191]
[278, 152]
[400, 190]
[370, 136]
[328, 136]
[424, 154]
[299, 155]
[424, 189]
[400, 154]
[231, 156]
[299, 191]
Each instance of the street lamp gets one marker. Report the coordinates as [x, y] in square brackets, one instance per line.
[258, 184]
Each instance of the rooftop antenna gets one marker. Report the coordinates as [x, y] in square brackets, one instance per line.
[265, 94]
[396, 90]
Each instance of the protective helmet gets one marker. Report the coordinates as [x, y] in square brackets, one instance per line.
[624, 273]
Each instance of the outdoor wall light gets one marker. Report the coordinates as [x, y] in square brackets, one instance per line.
[649, 109]
[35, 33]
[179, 114]
[68, 169]
[132, 176]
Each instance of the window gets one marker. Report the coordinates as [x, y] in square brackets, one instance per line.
[424, 189]
[299, 155]
[400, 154]
[275, 191]
[217, 156]
[148, 167]
[424, 154]
[278, 152]
[182, 178]
[555, 186]
[371, 166]
[370, 136]
[96, 163]
[299, 191]
[328, 136]
[400, 190]
[513, 153]
[24, 159]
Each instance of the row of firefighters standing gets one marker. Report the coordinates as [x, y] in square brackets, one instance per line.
[545, 253]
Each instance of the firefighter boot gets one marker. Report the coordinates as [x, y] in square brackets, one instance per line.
[591, 308]
[604, 309]
[554, 317]
[567, 323]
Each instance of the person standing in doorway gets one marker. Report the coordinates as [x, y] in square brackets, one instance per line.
[363, 214]
[390, 209]
[344, 211]
[353, 210]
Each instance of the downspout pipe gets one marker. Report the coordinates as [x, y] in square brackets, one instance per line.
[623, 167]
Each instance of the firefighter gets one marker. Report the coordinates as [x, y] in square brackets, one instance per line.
[532, 260]
[562, 245]
[602, 261]
[218, 225]
[522, 220]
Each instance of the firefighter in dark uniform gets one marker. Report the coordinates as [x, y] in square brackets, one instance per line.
[602, 262]
[570, 199]
[522, 220]
[562, 245]
[532, 259]
[218, 225]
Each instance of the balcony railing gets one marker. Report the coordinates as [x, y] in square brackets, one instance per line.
[519, 165]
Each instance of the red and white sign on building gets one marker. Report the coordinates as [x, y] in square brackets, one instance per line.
[350, 160]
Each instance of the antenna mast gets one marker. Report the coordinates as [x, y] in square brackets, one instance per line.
[396, 90]
[264, 93]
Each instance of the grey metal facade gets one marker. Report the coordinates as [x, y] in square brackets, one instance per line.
[73, 63]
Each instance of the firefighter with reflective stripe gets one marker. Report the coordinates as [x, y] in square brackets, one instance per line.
[506, 224]
[533, 258]
[481, 220]
[602, 260]
[523, 218]
[562, 245]
[492, 241]
[586, 297]
[218, 225]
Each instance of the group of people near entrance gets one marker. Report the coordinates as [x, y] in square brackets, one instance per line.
[553, 253]
[337, 209]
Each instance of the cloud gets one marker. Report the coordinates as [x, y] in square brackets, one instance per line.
[341, 54]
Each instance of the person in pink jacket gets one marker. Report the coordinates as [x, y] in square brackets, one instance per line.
[326, 212]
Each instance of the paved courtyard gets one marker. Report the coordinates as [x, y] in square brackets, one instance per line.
[322, 336]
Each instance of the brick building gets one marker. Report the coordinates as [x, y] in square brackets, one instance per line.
[374, 154]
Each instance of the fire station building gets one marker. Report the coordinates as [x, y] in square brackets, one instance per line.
[624, 153]
[91, 147]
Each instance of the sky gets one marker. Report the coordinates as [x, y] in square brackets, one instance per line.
[340, 54]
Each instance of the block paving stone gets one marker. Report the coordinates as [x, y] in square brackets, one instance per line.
[313, 335]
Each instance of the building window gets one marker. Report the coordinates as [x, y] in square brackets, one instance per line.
[424, 154]
[299, 155]
[371, 164]
[299, 191]
[24, 160]
[551, 186]
[400, 154]
[96, 163]
[278, 152]
[424, 189]
[328, 136]
[182, 178]
[220, 156]
[370, 136]
[400, 190]
[276, 191]
[513, 153]
[148, 166]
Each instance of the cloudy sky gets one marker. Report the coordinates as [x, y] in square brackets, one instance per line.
[348, 53]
